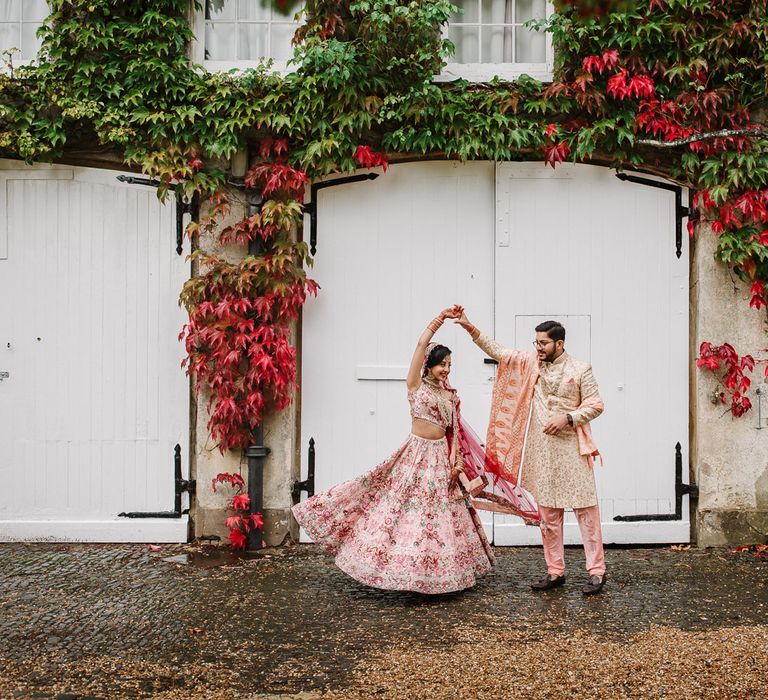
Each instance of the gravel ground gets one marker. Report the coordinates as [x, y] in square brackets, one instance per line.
[121, 621]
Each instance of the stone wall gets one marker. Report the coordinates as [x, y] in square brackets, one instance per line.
[729, 456]
[281, 467]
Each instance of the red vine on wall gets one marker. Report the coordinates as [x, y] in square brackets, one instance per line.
[238, 337]
[241, 523]
[735, 378]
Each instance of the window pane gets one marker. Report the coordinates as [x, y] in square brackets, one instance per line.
[470, 13]
[497, 45]
[282, 35]
[219, 41]
[36, 10]
[221, 9]
[465, 39]
[10, 37]
[10, 10]
[531, 47]
[29, 41]
[253, 42]
[531, 9]
[498, 11]
[254, 9]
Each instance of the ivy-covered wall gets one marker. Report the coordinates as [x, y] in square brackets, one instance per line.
[672, 87]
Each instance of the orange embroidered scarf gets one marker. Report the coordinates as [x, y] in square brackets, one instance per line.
[510, 410]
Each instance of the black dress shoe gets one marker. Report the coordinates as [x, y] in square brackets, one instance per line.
[594, 585]
[547, 583]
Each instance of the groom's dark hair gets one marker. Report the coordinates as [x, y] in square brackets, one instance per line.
[553, 329]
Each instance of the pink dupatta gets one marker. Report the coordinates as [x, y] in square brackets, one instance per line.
[480, 468]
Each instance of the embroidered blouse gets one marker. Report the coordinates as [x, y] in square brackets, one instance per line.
[432, 404]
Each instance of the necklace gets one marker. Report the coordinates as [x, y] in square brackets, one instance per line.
[443, 396]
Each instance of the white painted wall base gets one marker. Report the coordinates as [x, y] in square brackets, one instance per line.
[164, 530]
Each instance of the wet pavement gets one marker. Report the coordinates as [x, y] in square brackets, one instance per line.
[112, 621]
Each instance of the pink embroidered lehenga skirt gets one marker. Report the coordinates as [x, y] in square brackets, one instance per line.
[398, 528]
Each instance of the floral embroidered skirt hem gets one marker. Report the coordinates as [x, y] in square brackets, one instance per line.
[397, 527]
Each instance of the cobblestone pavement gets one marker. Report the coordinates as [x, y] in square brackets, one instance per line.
[114, 621]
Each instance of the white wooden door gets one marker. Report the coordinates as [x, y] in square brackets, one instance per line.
[95, 400]
[580, 246]
[391, 253]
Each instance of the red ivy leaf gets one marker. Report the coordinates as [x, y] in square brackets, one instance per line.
[237, 539]
[610, 58]
[592, 64]
[241, 502]
[233, 522]
[369, 158]
[617, 85]
[556, 153]
[226, 478]
[194, 161]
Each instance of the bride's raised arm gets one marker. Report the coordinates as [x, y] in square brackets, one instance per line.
[413, 380]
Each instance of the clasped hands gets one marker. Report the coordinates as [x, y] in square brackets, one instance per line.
[454, 312]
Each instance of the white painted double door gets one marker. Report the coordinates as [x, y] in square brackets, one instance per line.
[516, 244]
[94, 399]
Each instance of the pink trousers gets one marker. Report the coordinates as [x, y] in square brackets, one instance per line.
[591, 536]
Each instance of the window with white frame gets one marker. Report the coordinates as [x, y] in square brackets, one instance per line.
[243, 32]
[19, 22]
[491, 38]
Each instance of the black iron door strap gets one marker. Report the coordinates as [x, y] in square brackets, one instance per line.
[308, 484]
[681, 490]
[180, 486]
[191, 207]
[680, 210]
[311, 207]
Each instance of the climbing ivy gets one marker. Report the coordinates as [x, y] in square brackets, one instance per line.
[672, 87]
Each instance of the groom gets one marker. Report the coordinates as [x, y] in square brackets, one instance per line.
[553, 397]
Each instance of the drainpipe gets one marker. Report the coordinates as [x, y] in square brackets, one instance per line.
[256, 452]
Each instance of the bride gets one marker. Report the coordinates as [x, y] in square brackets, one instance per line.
[407, 524]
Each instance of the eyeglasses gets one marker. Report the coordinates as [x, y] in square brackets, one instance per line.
[542, 343]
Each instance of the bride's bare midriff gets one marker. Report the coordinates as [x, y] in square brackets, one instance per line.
[424, 429]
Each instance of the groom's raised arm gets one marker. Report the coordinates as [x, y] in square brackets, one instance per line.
[487, 344]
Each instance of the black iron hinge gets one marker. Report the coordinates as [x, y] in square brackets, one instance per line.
[311, 207]
[681, 211]
[183, 206]
[681, 490]
[308, 484]
[180, 486]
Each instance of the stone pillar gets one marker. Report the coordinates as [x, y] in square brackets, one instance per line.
[280, 435]
[729, 455]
